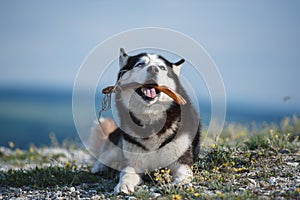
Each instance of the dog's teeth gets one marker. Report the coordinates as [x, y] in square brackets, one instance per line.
[153, 93]
[149, 92]
[144, 90]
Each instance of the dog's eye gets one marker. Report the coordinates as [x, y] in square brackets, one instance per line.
[140, 64]
[162, 67]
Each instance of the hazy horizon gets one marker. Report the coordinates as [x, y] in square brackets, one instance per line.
[255, 45]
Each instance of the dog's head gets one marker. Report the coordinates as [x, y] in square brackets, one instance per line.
[147, 70]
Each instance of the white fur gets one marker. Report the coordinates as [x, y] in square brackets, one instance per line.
[164, 157]
[128, 181]
[141, 108]
[140, 74]
[152, 160]
[182, 173]
[123, 57]
[148, 112]
[177, 69]
[141, 160]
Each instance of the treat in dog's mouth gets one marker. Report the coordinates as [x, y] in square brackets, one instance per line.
[148, 93]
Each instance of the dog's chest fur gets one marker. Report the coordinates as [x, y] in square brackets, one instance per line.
[153, 142]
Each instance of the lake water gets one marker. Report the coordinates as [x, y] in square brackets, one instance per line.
[29, 116]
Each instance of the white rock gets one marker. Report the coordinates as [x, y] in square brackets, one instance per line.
[72, 189]
[272, 180]
[155, 195]
[293, 164]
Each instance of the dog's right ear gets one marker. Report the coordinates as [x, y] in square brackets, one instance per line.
[123, 58]
[177, 66]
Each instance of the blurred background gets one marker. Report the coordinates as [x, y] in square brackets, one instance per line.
[256, 46]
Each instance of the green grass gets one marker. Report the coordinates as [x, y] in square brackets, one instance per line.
[20, 158]
[44, 177]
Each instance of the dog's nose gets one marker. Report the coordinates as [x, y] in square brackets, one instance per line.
[152, 70]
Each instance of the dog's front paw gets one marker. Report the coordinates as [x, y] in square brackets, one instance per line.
[124, 188]
[128, 180]
[183, 174]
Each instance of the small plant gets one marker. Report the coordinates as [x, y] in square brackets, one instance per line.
[20, 158]
[274, 141]
[277, 141]
[163, 179]
[215, 157]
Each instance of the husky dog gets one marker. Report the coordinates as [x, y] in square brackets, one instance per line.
[154, 130]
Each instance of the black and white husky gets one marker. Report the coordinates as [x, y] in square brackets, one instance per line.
[154, 131]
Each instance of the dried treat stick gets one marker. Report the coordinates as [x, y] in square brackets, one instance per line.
[167, 90]
[171, 93]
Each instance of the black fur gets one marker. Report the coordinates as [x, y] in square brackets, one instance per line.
[132, 60]
[132, 140]
[185, 117]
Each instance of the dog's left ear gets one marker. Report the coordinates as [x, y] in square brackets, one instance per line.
[177, 66]
[123, 58]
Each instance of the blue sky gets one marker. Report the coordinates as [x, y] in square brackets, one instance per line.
[255, 44]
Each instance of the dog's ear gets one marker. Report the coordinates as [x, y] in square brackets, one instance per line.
[177, 66]
[123, 58]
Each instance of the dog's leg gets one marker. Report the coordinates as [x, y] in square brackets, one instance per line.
[99, 167]
[96, 167]
[181, 169]
[98, 142]
[129, 179]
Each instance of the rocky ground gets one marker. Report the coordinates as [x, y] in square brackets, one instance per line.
[222, 173]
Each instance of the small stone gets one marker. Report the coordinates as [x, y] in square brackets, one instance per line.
[53, 195]
[272, 180]
[27, 188]
[152, 189]
[18, 192]
[131, 198]
[92, 191]
[155, 195]
[72, 189]
[73, 194]
[96, 197]
[252, 183]
[293, 164]
[263, 184]
[284, 151]
[58, 193]
[65, 189]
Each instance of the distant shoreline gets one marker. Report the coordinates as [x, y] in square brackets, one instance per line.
[28, 116]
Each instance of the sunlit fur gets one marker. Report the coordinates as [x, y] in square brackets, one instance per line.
[153, 132]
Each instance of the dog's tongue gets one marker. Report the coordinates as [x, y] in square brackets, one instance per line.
[149, 92]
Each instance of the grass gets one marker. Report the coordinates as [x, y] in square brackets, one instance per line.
[258, 163]
[51, 176]
[21, 158]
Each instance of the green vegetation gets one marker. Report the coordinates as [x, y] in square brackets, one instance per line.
[242, 163]
[42, 177]
[33, 155]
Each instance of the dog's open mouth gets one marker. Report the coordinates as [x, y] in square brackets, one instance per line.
[148, 93]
